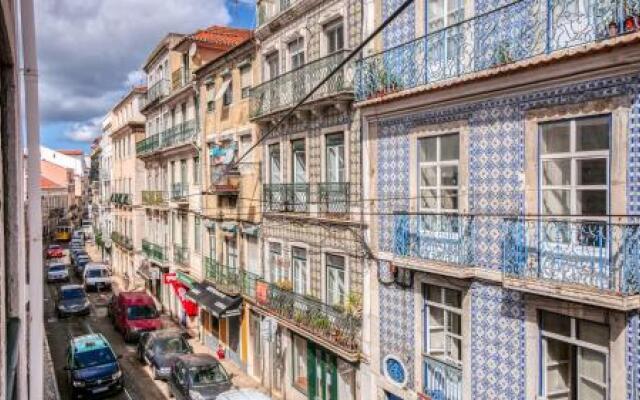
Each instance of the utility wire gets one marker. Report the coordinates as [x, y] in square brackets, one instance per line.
[306, 97]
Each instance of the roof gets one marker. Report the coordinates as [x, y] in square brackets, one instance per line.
[198, 360]
[221, 35]
[223, 58]
[46, 183]
[72, 152]
[89, 342]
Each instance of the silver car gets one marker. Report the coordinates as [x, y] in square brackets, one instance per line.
[57, 272]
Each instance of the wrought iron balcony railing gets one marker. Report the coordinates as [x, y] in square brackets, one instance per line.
[593, 254]
[122, 240]
[519, 30]
[340, 327]
[287, 89]
[153, 251]
[286, 197]
[445, 238]
[181, 255]
[121, 198]
[153, 197]
[225, 278]
[156, 91]
[182, 133]
[334, 197]
[442, 381]
[179, 192]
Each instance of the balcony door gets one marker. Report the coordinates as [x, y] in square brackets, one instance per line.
[299, 174]
[445, 38]
[335, 158]
[183, 175]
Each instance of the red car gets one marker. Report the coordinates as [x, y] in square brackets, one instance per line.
[55, 251]
[133, 313]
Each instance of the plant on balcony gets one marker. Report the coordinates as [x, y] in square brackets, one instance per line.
[503, 54]
[632, 19]
[285, 284]
[320, 322]
[353, 304]
[380, 81]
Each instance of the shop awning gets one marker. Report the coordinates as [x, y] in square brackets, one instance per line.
[251, 230]
[229, 227]
[214, 301]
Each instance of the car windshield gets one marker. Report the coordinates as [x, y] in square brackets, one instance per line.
[92, 358]
[171, 345]
[75, 293]
[54, 247]
[208, 375]
[141, 312]
[97, 273]
[57, 267]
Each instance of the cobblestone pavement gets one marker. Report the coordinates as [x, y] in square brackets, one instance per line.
[138, 381]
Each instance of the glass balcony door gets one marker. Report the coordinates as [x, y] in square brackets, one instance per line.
[299, 174]
[335, 158]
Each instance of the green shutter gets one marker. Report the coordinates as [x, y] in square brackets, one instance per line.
[311, 370]
[333, 369]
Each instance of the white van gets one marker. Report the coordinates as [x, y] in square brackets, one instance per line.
[96, 276]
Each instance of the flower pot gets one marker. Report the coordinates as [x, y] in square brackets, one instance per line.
[630, 24]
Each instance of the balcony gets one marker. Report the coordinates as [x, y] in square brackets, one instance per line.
[338, 326]
[179, 192]
[153, 251]
[185, 132]
[507, 34]
[224, 181]
[179, 79]
[446, 238]
[442, 381]
[181, 255]
[286, 197]
[122, 240]
[595, 255]
[334, 197]
[226, 279]
[154, 197]
[155, 92]
[121, 198]
[288, 89]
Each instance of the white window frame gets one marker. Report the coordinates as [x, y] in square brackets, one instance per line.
[336, 167]
[299, 270]
[271, 175]
[277, 273]
[268, 72]
[438, 164]
[444, 18]
[427, 351]
[330, 296]
[296, 51]
[330, 29]
[578, 344]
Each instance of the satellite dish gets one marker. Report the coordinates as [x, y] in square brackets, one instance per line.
[192, 50]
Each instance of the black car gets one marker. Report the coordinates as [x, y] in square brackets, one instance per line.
[198, 377]
[72, 300]
[160, 349]
[93, 368]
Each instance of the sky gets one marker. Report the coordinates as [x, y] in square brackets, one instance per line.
[90, 54]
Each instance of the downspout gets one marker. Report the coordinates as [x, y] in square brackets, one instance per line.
[34, 216]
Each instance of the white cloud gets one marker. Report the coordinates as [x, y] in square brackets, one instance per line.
[90, 51]
[85, 132]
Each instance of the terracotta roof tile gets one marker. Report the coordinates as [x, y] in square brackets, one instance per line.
[49, 184]
[71, 152]
[221, 35]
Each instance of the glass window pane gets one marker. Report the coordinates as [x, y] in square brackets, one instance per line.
[455, 323]
[555, 202]
[593, 332]
[558, 367]
[555, 137]
[591, 202]
[449, 147]
[556, 172]
[449, 199]
[428, 149]
[436, 340]
[454, 346]
[434, 294]
[592, 134]
[592, 375]
[556, 323]
[429, 176]
[453, 298]
[428, 199]
[449, 176]
[592, 171]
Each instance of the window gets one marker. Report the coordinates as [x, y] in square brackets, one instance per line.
[271, 66]
[442, 13]
[296, 53]
[299, 261]
[274, 163]
[335, 158]
[211, 95]
[227, 97]
[278, 271]
[574, 167]
[444, 53]
[299, 161]
[196, 170]
[443, 315]
[196, 234]
[252, 254]
[574, 358]
[300, 380]
[246, 81]
[232, 253]
[335, 279]
[245, 145]
[335, 36]
[438, 159]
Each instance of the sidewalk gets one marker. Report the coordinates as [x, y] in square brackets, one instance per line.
[240, 378]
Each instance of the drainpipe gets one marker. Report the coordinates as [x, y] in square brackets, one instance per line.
[34, 217]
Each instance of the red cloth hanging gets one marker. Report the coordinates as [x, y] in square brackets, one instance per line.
[180, 289]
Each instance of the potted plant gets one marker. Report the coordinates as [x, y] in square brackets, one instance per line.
[632, 12]
[503, 54]
[353, 304]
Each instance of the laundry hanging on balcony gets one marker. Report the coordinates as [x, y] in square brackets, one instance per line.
[180, 289]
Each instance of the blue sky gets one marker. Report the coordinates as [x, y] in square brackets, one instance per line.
[90, 53]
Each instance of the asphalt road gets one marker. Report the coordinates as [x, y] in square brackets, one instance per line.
[138, 382]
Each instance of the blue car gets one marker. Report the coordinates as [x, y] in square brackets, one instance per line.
[93, 368]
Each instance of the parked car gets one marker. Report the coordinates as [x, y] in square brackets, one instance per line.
[198, 377]
[72, 300]
[57, 272]
[75, 253]
[55, 251]
[243, 394]
[96, 276]
[92, 367]
[133, 313]
[160, 349]
[81, 263]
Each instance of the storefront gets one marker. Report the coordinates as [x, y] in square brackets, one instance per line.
[221, 322]
[181, 308]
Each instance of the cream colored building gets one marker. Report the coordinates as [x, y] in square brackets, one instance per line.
[127, 128]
